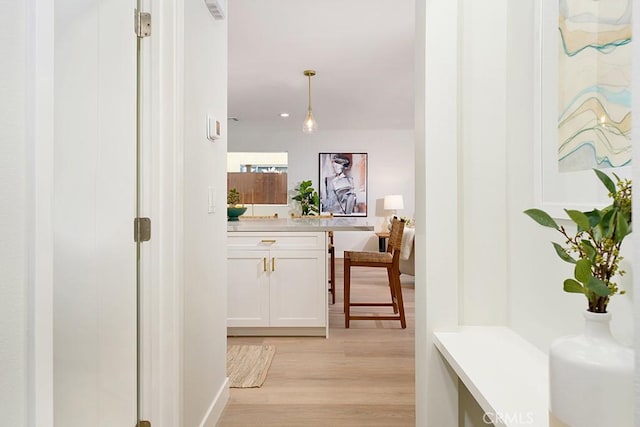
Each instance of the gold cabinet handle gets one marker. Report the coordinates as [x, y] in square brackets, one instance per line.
[273, 264]
[264, 264]
[267, 241]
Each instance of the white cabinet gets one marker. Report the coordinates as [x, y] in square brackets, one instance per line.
[248, 290]
[277, 283]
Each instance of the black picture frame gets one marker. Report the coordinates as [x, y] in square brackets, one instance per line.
[343, 184]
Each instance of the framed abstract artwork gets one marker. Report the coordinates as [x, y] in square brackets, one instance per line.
[583, 102]
[343, 184]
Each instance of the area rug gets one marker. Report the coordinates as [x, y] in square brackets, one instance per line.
[247, 365]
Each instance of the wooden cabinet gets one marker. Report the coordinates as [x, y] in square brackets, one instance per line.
[277, 283]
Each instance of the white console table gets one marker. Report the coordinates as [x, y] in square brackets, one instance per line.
[507, 375]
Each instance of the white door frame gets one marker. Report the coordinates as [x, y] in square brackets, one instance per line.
[436, 306]
[39, 133]
[162, 201]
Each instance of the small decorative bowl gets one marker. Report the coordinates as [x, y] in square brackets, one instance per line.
[234, 212]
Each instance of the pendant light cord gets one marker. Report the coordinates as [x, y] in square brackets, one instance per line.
[309, 93]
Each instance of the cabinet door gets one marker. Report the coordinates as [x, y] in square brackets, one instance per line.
[298, 289]
[248, 288]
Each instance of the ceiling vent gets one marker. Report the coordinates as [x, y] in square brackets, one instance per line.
[216, 7]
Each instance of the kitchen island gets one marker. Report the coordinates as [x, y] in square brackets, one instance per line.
[277, 275]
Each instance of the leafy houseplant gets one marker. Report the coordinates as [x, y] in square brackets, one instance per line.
[595, 246]
[308, 198]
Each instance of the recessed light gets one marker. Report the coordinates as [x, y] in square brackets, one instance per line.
[284, 114]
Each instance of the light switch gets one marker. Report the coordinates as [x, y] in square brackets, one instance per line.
[212, 200]
[214, 129]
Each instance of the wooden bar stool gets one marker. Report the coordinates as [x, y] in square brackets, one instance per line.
[389, 260]
[332, 268]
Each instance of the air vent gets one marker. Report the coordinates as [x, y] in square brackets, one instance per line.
[216, 7]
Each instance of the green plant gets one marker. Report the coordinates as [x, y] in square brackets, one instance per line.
[233, 197]
[595, 244]
[408, 222]
[308, 198]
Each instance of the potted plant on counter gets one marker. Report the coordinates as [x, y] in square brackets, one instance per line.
[307, 197]
[234, 208]
[592, 368]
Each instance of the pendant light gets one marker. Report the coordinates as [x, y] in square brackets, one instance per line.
[310, 125]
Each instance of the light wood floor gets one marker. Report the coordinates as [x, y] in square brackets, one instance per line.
[362, 376]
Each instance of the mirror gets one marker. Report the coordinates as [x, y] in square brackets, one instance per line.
[260, 178]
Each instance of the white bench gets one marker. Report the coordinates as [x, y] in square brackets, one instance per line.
[507, 375]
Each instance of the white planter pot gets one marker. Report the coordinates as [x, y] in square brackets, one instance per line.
[591, 378]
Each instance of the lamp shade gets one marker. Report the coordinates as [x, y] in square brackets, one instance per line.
[393, 202]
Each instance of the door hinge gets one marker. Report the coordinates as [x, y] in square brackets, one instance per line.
[143, 424]
[142, 23]
[141, 229]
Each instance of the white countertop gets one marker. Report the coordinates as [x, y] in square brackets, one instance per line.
[300, 224]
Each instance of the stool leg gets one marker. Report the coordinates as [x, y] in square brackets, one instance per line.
[392, 290]
[400, 302]
[332, 274]
[347, 290]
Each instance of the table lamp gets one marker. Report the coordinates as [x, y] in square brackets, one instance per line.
[392, 203]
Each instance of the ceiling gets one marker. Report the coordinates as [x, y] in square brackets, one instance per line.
[362, 51]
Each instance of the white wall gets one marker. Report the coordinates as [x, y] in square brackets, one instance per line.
[508, 260]
[535, 273]
[390, 168]
[205, 270]
[483, 162]
[13, 214]
[539, 309]
[510, 273]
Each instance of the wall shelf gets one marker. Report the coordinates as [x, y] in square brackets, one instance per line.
[507, 375]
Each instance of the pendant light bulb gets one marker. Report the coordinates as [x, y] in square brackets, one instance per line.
[310, 125]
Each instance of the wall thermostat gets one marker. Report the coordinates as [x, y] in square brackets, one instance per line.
[216, 7]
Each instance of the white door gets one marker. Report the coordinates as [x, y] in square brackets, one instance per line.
[94, 205]
[298, 291]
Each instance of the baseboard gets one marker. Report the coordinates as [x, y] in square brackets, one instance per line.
[275, 331]
[212, 416]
